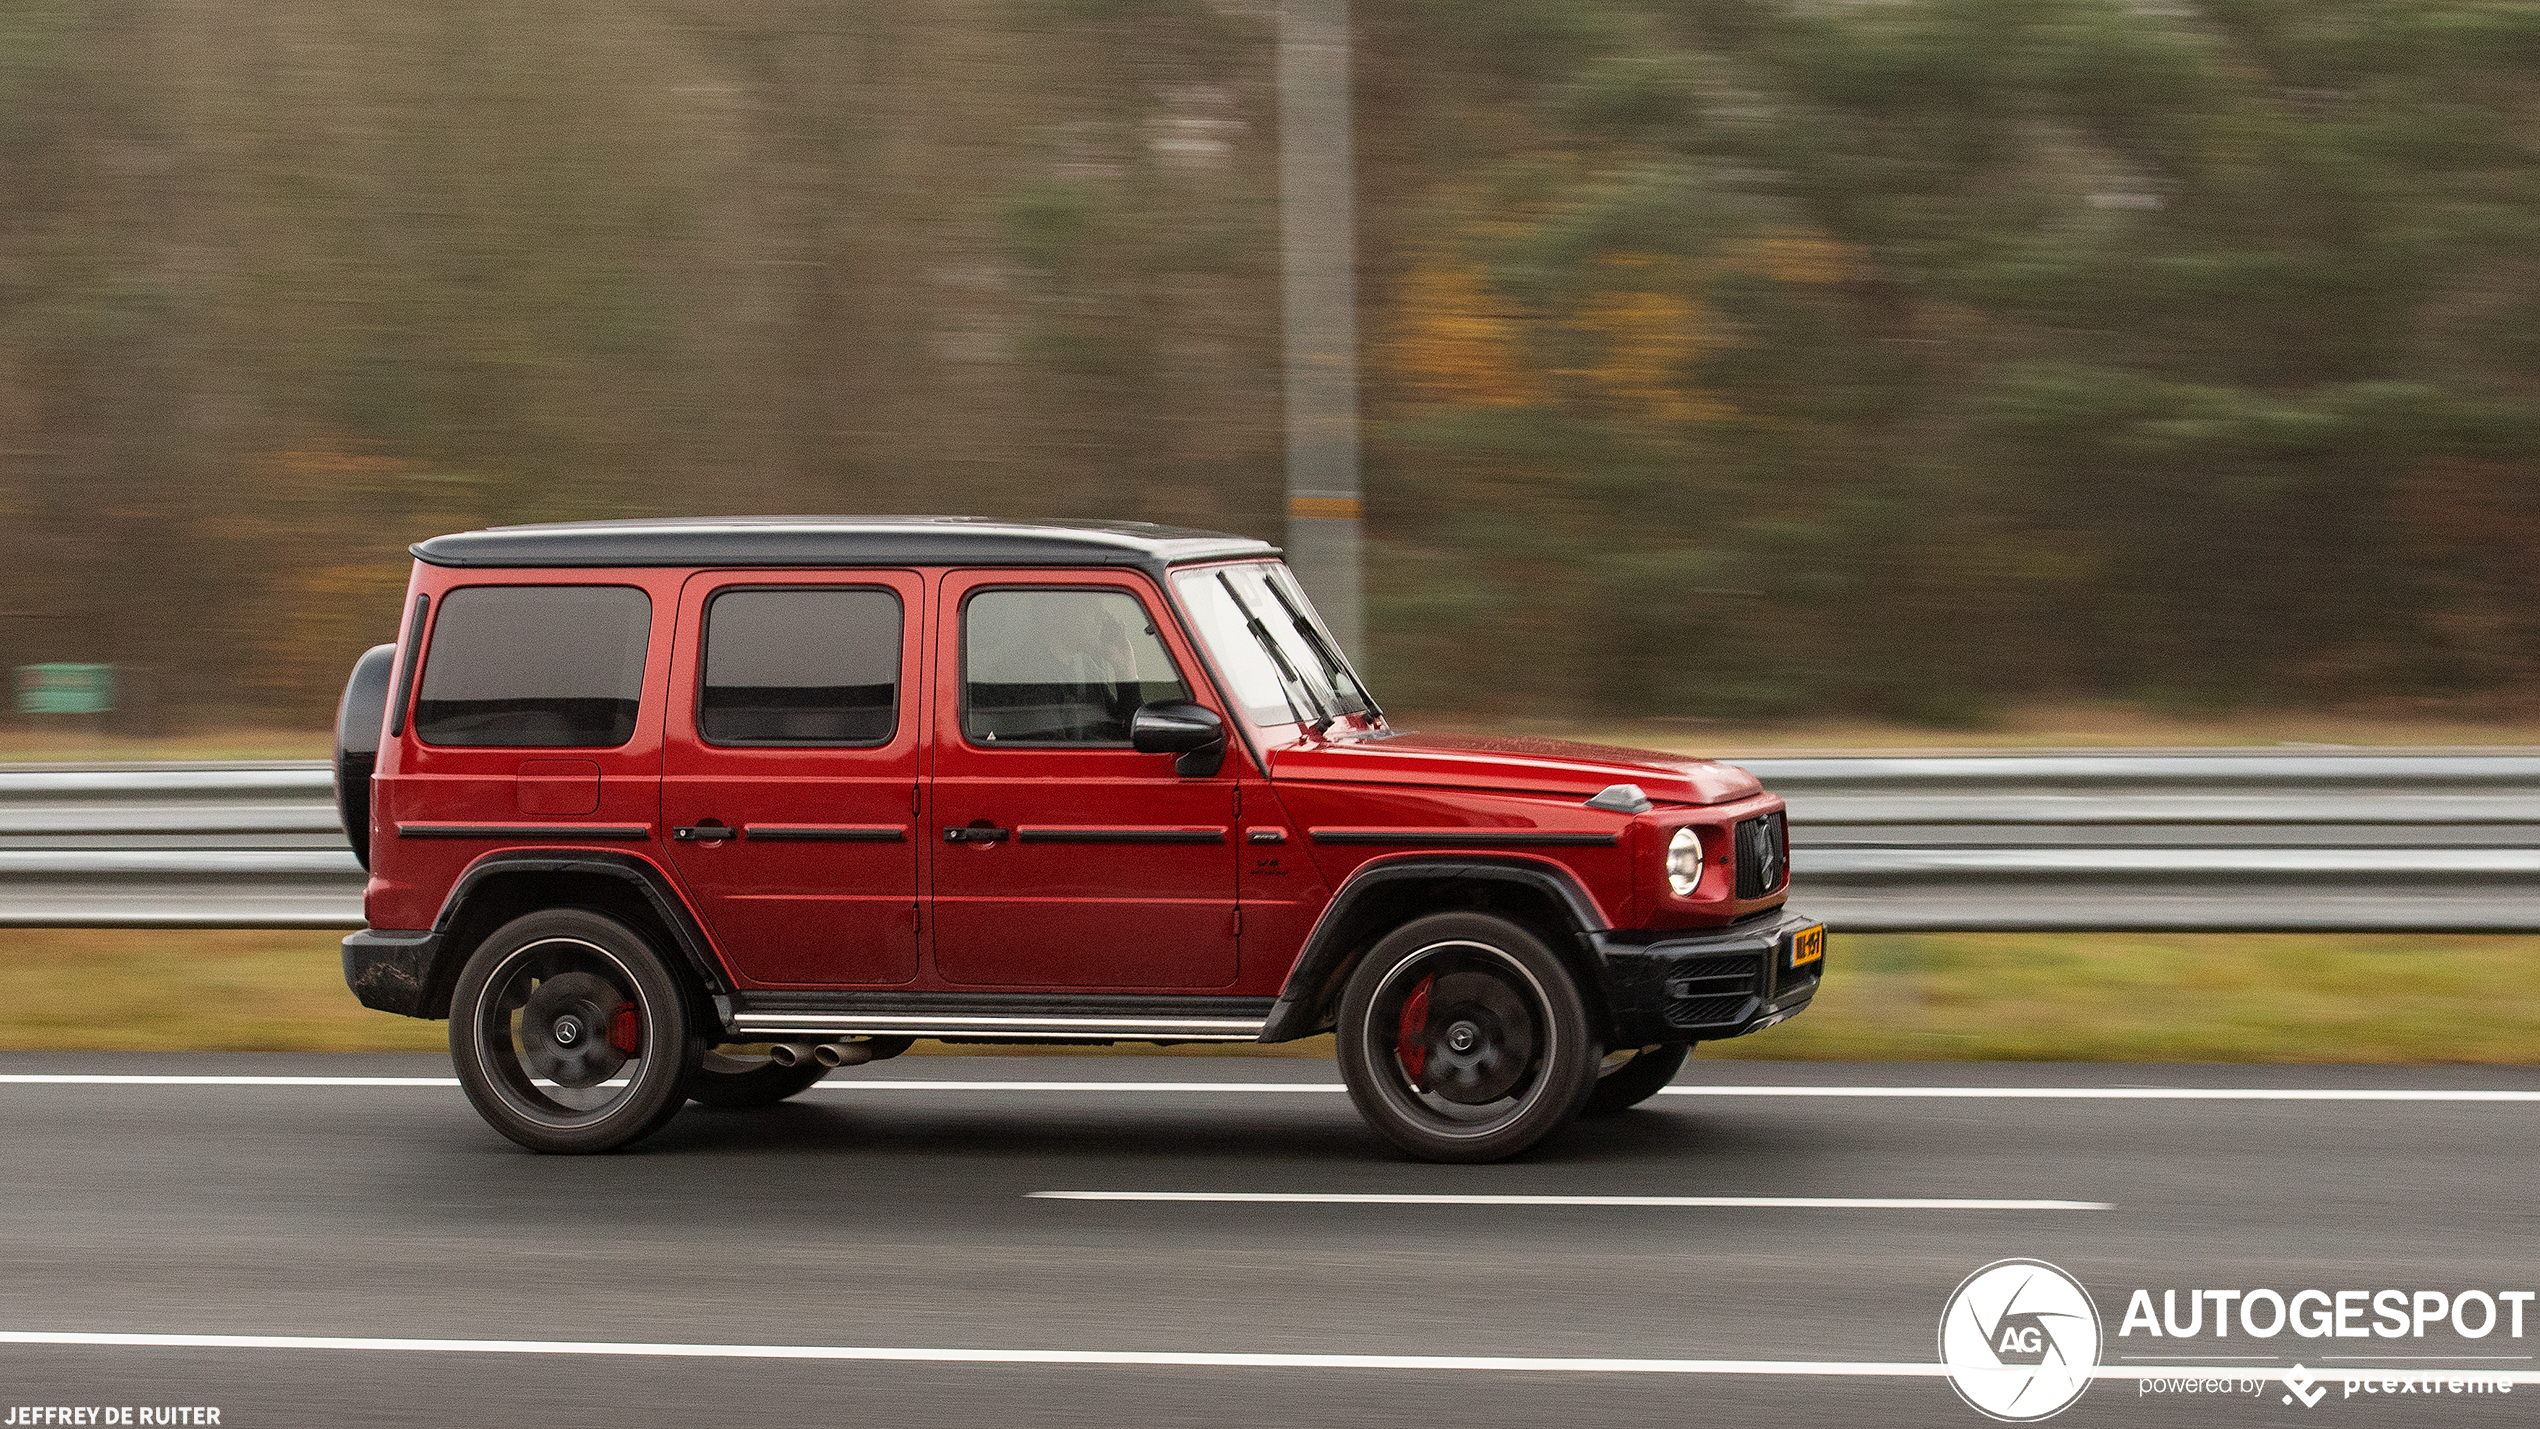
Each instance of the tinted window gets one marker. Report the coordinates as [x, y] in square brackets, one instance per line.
[1060, 666]
[801, 667]
[544, 666]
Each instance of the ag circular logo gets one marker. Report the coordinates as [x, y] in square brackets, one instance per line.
[2020, 1338]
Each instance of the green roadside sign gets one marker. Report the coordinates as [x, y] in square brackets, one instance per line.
[66, 689]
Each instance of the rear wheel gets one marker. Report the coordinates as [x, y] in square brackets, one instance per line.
[1631, 1077]
[1462, 1038]
[570, 1033]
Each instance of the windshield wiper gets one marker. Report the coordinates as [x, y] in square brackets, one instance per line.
[1291, 684]
[1335, 669]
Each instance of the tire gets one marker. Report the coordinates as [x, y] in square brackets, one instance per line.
[1632, 1082]
[580, 1002]
[732, 1083]
[1462, 1038]
[358, 716]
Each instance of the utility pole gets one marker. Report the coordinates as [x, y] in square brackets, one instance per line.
[1318, 310]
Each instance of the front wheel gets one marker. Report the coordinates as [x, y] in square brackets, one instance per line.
[570, 1034]
[1462, 1038]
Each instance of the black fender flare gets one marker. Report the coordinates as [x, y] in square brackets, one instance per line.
[1313, 979]
[410, 973]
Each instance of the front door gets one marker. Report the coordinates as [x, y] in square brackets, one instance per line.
[1062, 857]
[789, 777]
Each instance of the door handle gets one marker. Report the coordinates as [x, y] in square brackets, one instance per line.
[702, 833]
[976, 834]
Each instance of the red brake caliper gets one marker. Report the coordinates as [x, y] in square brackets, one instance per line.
[1411, 1039]
[626, 1029]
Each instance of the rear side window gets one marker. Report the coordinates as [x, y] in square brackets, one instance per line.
[1056, 666]
[801, 666]
[538, 666]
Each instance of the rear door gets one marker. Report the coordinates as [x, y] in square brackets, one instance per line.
[790, 771]
[1062, 857]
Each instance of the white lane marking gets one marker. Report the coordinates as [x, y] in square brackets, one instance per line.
[852, 1085]
[96, 1079]
[1170, 1358]
[2257, 1094]
[1846, 1203]
[2294, 1094]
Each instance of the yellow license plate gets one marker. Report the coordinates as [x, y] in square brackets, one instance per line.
[1807, 945]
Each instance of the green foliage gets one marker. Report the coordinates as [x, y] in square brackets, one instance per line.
[283, 289]
[2026, 347]
[1723, 357]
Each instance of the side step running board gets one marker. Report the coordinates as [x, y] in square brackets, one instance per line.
[1003, 1018]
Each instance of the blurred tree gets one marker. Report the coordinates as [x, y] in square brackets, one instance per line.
[1725, 356]
[1918, 356]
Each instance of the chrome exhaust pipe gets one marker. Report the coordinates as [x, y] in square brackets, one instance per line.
[792, 1054]
[843, 1054]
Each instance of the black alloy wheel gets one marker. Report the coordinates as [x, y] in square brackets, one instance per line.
[1462, 1038]
[570, 1033]
[1632, 1076]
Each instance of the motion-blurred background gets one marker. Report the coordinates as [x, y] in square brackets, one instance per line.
[1722, 358]
[1883, 372]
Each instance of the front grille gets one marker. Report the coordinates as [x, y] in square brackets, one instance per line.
[1763, 854]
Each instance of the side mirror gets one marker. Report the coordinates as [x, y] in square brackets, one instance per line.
[1176, 727]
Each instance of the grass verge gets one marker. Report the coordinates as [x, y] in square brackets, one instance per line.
[1906, 997]
[2195, 997]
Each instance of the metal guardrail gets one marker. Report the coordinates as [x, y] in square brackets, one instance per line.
[2429, 841]
[230, 845]
[2434, 841]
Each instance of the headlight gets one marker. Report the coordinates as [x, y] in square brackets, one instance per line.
[1684, 862]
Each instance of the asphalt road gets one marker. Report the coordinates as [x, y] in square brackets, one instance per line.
[901, 1219]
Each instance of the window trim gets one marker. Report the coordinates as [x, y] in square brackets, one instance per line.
[705, 656]
[961, 638]
[440, 611]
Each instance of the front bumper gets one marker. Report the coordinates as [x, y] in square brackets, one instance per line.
[1702, 986]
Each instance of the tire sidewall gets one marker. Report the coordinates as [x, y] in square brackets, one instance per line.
[1569, 1069]
[671, 1049]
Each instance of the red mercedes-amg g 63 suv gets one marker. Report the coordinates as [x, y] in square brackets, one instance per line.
[660, 811]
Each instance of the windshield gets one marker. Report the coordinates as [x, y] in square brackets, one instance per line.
[1280, 664]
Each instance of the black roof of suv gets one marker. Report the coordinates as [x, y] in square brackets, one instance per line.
[837, 540]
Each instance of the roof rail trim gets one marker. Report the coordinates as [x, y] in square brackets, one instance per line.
[835, 541]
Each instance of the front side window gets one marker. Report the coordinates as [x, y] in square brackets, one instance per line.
[1055, 667]
[546, 667]
[801, 666]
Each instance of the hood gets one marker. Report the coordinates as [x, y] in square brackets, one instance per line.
[1516, 763]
